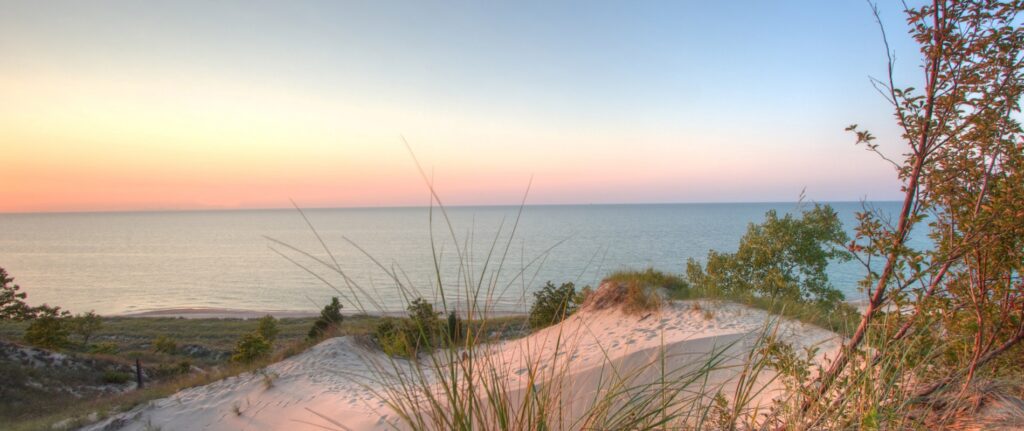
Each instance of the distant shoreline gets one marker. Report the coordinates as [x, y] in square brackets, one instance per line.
[228, 313]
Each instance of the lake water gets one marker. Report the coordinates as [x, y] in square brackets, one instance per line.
[129, 262]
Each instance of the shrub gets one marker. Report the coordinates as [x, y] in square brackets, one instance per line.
[268, 328]
[674, 285]
[84, 325]
[165, 344]
[393, 338]
[423, 325]
[552, 304]
[422, 329]
[641, 298]
[48, 329]
[116, 377]
[251, 347]
[330, 316]
[163, 371]
[106, 348]
[454, 328]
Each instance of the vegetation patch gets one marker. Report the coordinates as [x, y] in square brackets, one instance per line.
[553, 304]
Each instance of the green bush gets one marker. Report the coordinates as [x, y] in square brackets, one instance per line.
[165, 344]
[424, 326]
[650, 278]
[268, 328]
[49, 329]
[116, 377]
[421, 330]
[453, 327]
[163, 371]
[251, 347]
[330, 317]
[105, 348]
[552, 304]
[393, 337]
[84, 325]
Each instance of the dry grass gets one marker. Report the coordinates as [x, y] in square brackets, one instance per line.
[985, 405]
[632, 297]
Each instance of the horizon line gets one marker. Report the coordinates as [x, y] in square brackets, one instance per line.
[371, 207]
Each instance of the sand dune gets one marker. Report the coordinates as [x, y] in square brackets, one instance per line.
[332, 385]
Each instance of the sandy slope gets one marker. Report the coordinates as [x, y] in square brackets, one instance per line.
[332, 378]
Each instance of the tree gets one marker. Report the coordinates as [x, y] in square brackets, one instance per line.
[48, 329]
[330, 317]
[12, 302]
[552, 304]
[962, 170]
[781, 258]
[85, 325]
[268, 328]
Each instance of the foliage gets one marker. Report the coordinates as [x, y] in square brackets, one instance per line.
[104, 348]
[961, 178]
[423, 325]
[251, 347]
[165, 344]
[453, 328]
[116, 377]
[641, 298]
[393, 336]
[330, 317]
[168, 370]
[781, 258]
[12, 302]
[267, 327]
[85, 325]
[115, 346]
[260, 343]
[552, 304]
[48, 329]
[675, 286]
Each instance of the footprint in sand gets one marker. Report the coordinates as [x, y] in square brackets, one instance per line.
[520, 371]
[630, 341]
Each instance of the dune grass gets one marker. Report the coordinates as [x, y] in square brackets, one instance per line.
[842, 319]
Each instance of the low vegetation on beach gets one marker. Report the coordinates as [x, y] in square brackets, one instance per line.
[87, 378]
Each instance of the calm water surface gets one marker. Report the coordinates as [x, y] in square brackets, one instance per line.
[130, 262]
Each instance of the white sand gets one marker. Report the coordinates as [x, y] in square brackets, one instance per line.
[334, 378]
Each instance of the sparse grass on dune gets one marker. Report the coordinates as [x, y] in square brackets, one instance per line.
[676, 286]
[842, 319]
[133, 337]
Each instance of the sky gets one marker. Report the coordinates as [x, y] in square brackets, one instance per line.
[109, 106]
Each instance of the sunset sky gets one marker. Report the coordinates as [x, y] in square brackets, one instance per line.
[193, 105]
